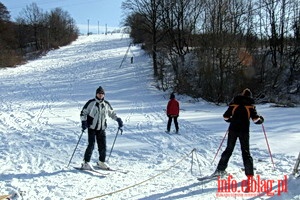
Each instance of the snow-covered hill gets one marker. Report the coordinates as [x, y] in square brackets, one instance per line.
[40, 127]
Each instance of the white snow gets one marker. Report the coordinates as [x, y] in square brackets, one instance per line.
[40, 103]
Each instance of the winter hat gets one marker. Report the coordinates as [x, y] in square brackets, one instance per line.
[172, 96]
[247, 93]
[100, 90]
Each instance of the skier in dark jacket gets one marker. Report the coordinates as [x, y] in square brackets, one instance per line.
[94, 116]
[172, 112]
[238, 114]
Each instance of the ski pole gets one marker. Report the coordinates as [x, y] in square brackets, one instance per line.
[75, 147]
[220, 147]
[295, 170]
[268, 145]
[119, 129]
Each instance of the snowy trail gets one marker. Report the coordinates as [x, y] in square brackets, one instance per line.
[40, 104]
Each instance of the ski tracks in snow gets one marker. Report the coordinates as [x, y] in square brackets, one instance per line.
[40, 125]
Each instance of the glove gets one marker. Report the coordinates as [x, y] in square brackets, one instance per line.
[227, 120]
[84, 125]
[260, 121]
[120, 122]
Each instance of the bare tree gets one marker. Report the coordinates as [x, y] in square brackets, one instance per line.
[276, 29]
[8, 55]
[61, 27]
[33, 16]
[149, 11]
[293, 48]
[224, 54]
[4, 13]
[180, 19]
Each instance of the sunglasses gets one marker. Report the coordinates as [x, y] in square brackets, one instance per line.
[100, 92]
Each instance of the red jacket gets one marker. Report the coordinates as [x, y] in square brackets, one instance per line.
[173, 107]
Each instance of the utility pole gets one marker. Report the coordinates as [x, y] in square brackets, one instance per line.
[88, 31]
[48, 36]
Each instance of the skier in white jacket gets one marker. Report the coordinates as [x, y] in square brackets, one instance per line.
[93, 117]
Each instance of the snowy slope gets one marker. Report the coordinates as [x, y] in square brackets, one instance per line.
[40, 127]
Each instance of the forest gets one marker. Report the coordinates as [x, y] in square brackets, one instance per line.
[33, 33]
[215, 48]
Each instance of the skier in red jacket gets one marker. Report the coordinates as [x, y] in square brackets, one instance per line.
[172, 112]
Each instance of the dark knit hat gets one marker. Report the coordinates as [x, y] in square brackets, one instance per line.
[172, 96]
[100, 90]
[247, 92]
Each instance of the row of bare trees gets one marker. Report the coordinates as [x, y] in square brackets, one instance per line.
[33, 33]
[215, 48]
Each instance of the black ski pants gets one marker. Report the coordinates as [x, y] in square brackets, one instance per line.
[244, 141]
[170, 122]
[100, 137]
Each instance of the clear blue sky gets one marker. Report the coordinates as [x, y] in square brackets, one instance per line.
[104, 12]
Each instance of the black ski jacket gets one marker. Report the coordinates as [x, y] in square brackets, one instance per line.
[239, 112]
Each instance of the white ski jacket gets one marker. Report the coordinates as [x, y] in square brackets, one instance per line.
[95, 112]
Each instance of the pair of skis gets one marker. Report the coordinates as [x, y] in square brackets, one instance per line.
[207, 178]
[113, 170]
[214, 177]
[101, 171]
[92, 171]
[211, 177]
[172, 133]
